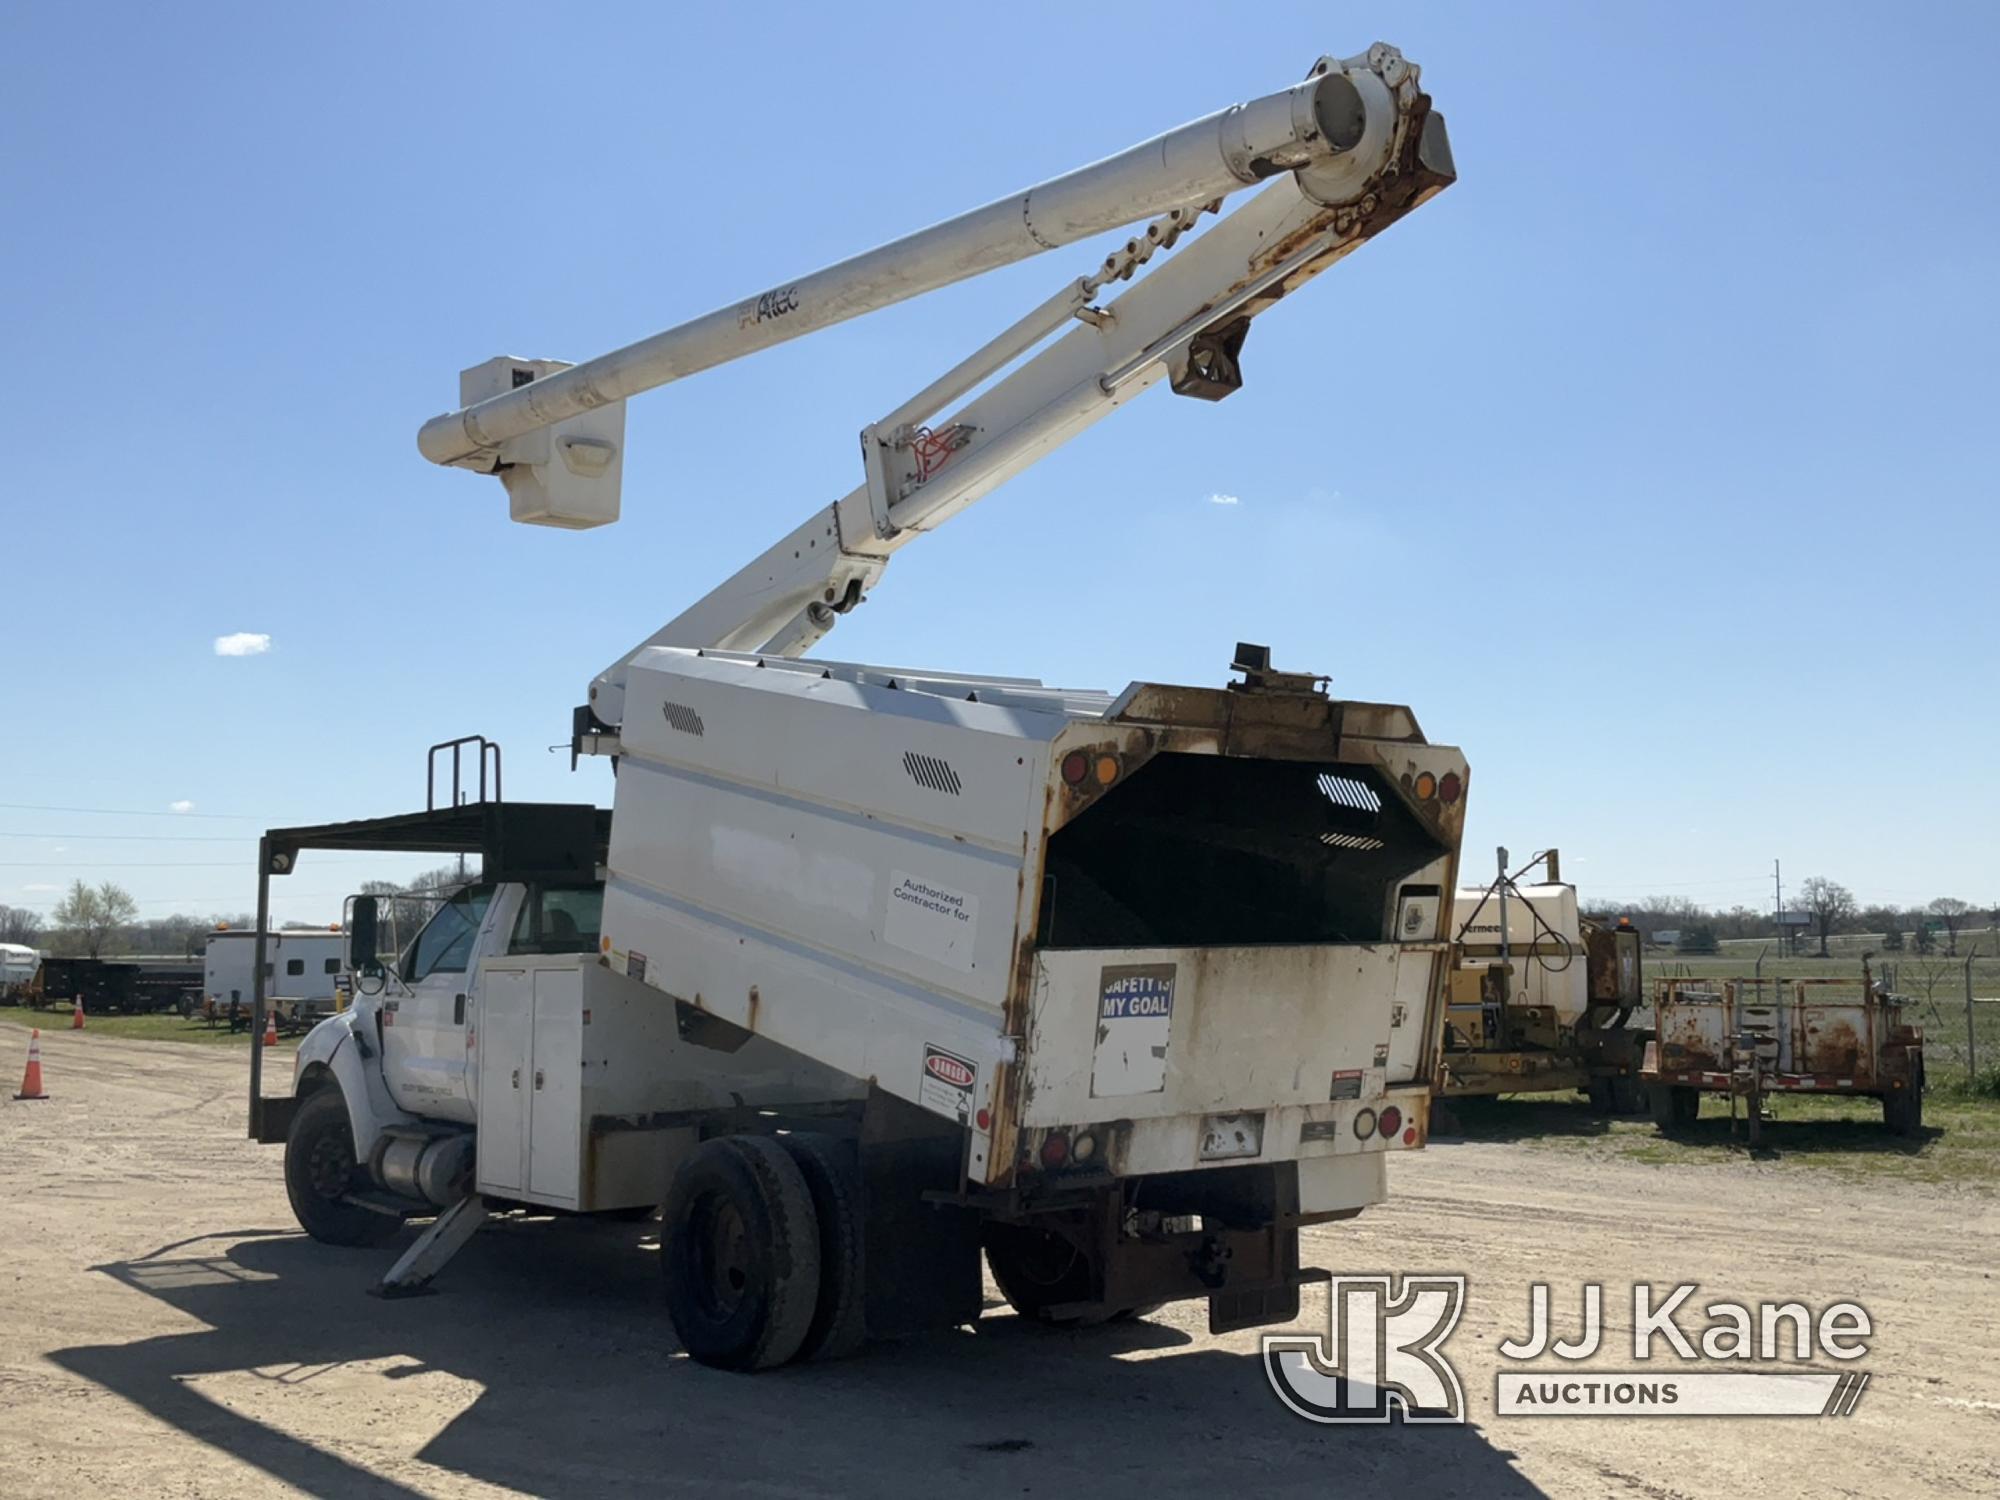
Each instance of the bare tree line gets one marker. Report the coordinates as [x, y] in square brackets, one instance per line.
[1832, 908]
[103, 921]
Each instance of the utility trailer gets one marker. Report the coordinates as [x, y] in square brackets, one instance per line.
[874, 968]
[1753, 1038]
[1542, 998]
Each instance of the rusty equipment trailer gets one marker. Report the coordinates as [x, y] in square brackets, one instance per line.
[1752, 1038]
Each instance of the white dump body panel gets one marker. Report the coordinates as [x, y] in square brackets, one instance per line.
[847, 862]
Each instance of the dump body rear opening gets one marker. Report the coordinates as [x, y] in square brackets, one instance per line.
[1206, 850]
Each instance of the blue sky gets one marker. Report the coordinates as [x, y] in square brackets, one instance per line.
[1652, 463]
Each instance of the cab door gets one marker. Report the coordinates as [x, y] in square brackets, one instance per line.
[429, 1026]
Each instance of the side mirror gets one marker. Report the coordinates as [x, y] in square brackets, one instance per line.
[363, 957]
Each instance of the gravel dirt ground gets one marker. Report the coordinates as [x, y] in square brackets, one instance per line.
[169, 1332]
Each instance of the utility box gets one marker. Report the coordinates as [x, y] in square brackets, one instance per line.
[568, 474]
[569, 1076]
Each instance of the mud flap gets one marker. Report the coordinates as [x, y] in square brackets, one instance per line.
[1254, 1307]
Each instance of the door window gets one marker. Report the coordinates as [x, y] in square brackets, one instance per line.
[445, 944]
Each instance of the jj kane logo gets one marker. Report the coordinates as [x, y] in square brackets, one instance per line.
[1383, 1357]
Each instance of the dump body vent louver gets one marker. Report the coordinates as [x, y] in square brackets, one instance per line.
[1345, 791]
[1361, 841]
[680, 716]
[928, 770]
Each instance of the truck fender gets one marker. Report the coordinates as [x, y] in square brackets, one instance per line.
[332, 1055]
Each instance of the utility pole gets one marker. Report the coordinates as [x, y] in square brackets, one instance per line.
[1778, 911]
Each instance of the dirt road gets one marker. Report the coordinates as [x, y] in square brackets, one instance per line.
[168, 1332]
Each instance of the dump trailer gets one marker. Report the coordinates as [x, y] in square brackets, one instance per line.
[1755, 1037]
[871, 969]
[1542, 998]
[138, 985]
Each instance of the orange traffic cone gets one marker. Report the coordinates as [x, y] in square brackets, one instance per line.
[271, 1029]
[76, 1016]
[31, 1081]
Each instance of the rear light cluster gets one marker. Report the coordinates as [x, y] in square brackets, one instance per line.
[1060, 1149]
[1386, 1123]
[1447, 788]
[1091, 769]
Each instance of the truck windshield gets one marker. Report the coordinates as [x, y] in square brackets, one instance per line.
[559, 919]
[1212, 850]
[445, 944]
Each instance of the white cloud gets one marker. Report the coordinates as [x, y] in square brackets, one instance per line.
[242, 643]
[1218, 498]
[185, 806]
[39, 886]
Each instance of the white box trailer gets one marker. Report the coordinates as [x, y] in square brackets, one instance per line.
[302, 969]
[18, 966]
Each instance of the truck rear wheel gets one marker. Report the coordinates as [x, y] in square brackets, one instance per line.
[320, 1171]
[832, 1178]
[1048, 1278]
[740, 1253]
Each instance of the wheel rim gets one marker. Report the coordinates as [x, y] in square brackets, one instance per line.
[330, 1164]
[720, 1247]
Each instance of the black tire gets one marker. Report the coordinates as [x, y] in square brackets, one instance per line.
[1674, 1107]
[1039, 1271]
[839, 1326]
[1627, 1095]
[1598, 1090]
[1903, 1111]
[740, 1254]
[320, 1170]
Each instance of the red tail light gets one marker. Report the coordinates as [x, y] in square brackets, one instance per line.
[1390, 1120]
[1055, 1150]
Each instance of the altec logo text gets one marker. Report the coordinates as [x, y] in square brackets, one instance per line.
[1383, 1356]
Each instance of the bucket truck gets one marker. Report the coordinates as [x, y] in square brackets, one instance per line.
[871, 969]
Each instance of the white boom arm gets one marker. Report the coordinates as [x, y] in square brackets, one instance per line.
[1347, 153]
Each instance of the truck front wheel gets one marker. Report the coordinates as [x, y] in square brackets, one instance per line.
[320, 1171]
[740, 1252]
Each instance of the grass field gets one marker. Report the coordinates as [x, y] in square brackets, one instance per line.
[159, 1028]
[1959, 1144]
